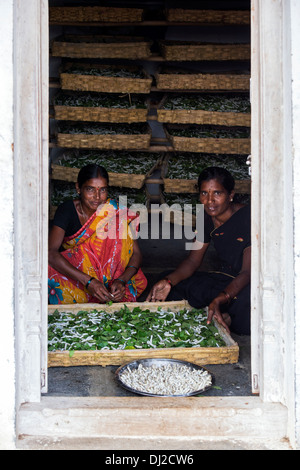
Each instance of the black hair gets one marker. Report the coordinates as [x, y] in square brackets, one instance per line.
[217, 173]
[90, 171]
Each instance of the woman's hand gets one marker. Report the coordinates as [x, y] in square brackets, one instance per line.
[99, 291]
[214, 311]
[117, 289]
[159, 291]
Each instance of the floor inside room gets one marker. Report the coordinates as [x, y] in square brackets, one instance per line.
[158, 255]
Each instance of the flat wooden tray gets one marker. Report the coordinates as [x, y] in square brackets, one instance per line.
[228, 354]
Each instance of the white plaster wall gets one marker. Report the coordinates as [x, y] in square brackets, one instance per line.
[295, 60]
[7, 357]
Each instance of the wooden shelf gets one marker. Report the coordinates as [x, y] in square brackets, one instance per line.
[159, 145]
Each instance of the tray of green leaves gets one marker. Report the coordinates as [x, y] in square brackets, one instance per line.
[212, 132]
[113, 161]
[105, 71]
[96, 100]
[105, 78]
[131, 329]
[102, 129]
[190, 165]
[208, 102]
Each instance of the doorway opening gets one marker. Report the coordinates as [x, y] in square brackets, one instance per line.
[158, 255]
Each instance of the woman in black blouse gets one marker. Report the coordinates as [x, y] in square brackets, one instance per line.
[226, 292]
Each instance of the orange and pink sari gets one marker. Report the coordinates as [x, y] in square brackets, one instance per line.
[102, 248]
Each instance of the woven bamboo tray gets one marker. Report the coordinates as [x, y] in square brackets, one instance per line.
[122, 180]
[210, 145]
[100, 114]
[208, 16]
[106, 141]
[199, 116]
[107, 84]
[61, 15]
[174, 185]
[125, 48]
[182, 51]
[203, 355]
[200, 81]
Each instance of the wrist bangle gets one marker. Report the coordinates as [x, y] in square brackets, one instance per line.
[89, 281]
[118, 279]
[133, 267]
[228, 296]
[168, 280]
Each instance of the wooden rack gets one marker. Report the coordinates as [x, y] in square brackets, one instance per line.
[161, 145]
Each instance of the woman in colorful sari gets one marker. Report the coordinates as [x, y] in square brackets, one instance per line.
[93, 254]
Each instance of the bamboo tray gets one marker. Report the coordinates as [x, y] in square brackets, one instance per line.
[199, 81]
[199, 116]
[101, 47]
[210, 145]
[191, 186]
[203, 355]
[62, 15]
[100, 114]
[183, 50]
[122, 180]
[209, 16]
[107, 84]
[106, 141]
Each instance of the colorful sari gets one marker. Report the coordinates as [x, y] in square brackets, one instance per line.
[102, 249]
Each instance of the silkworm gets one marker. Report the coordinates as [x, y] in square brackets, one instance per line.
[170, 379]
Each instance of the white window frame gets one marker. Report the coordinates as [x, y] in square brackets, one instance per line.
[272, 262]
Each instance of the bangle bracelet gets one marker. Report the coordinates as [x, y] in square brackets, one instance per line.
[89, 281]
[118, 279]
[168, 280]
[228, 296]
[133, 267]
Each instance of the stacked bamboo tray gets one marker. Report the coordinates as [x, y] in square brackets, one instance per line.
[77, 77]
[228, 17]
[98, 79]
[96, 14]
[215, 145]
[101, 47]
[180, 79]
[185, 125]
[62, 172]
[217, 112]
[81, 14]
[101, 109]
[105, 137]
[201, 116]
[195, 51]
